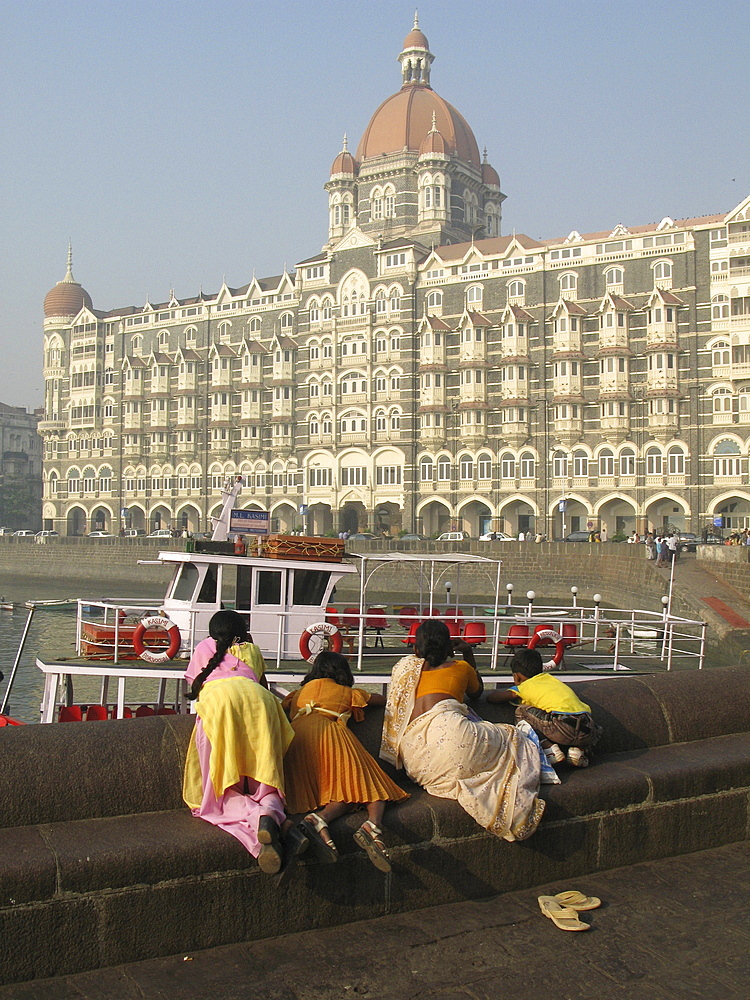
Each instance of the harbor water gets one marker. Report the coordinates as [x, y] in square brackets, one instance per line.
[52, 627]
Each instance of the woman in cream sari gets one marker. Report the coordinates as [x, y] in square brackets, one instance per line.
[492, 770]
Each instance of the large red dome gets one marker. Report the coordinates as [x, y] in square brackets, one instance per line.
[404, 119]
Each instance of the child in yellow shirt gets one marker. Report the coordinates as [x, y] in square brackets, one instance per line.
[553, 710]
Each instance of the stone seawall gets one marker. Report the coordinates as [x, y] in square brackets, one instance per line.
[729, 562]
[620, 573]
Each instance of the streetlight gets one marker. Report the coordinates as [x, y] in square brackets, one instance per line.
[448, 588]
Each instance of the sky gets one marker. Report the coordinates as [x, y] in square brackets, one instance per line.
[177, 144]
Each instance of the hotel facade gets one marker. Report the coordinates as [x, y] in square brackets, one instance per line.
[422, 372]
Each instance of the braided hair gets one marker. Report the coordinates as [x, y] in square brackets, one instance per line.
[226, 628]
[432, 642]
[332, 666]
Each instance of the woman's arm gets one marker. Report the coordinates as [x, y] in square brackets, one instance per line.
[466, 651]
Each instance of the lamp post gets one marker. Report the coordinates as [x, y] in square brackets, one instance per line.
[448, 588]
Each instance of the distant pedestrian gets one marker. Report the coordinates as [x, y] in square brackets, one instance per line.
[659, 545]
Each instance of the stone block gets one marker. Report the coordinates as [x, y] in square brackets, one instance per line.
[699, 704]
[688, 770]
[673, 828]
[605, 785]
[28, 870]
[48, 939]
[630, 714]
[141, 849]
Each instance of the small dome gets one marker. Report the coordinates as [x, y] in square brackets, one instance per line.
[416, 40]
[67, 298]
[490, 176]
[433, 142]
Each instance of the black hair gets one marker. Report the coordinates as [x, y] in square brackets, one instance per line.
[433, 643]
[527, 662]
[226, 628]
[332, 666]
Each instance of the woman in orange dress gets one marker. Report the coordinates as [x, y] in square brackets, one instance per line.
[326, 769]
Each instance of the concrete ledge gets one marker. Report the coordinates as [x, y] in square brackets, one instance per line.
[115, 869]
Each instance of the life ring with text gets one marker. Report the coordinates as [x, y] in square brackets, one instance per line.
[546, 636]
[334, 639]
[160, 655]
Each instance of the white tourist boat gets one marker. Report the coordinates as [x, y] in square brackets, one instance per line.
[288, 593]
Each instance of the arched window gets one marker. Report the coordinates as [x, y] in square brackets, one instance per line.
[286, 321]
[395, 420]
[744, 398]
[507, 465]
[662, 270]
[727, 459]
[444, 469]
[426, 470]
[435, 300]
[484, 466]
[516, 289]
[314, 427]
[89, 479]
[720, 307]
[327, 424]
[676, 461]
[654, 462]
[606, 463]
[105, 479]
[720, 353]
[568, 282]
[466, 468]
[627, 462]
[580, 463]
[380, 420]
[722, 400]
[528, 465]
[474, 295]
[614, 276]
[560, 465]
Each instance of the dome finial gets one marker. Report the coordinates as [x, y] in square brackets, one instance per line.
[416, 20]
[434, 122]
[69, 272]
[345, 146]
[484, 151]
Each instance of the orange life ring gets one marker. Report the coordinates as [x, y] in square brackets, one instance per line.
[162, 655]
[335, 640]
[545, 635]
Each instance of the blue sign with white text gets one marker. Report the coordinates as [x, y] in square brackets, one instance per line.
[249, 522]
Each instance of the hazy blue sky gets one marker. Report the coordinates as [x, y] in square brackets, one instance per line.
[177, 143]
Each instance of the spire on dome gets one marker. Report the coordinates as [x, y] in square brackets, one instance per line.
[345, 145]
[416, 57]
[69, 272]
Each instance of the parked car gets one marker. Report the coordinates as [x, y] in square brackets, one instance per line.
[577, 536]
[23, 533]
[362, 536]
[47, 534]
[688, 541]
[411, 537]
[160, 533]
[133, 533]
[100, 534]
[454, 536]
[496, 536]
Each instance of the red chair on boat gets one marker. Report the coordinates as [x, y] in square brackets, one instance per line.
[454, 614]
[70, 713]
[164, 710]
[375, 621]
[409, 639]
[426, 613]
[518, 635]
[453, 627]
[569, 633]
[96, 713]
[332, 616]
[350, 619]
[143, 710]
[408, 616]
[475, 633]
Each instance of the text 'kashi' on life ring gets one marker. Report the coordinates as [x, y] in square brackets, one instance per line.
[328, 634]
[160, 655]
[545, 636]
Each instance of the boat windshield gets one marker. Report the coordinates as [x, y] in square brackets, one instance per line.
[310, 586]
[187, 580]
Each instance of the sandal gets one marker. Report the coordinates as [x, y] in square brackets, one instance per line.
[316, 830]
[369, 838]
[561, 916]
[577, 900]
[271, 853]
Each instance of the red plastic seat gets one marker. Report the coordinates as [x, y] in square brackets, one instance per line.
[453, 627]
[332, 616]
[350, 619]
[455, 614]
[375, 621]
[96, 713]
[408, 616]
[569, 633]
[70, 713]
[409, 639]
[165, 711]
[475, 633]
[143, 710]
[426, 613]
[518, 635]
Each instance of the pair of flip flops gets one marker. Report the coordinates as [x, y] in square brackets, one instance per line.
[564, 907]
